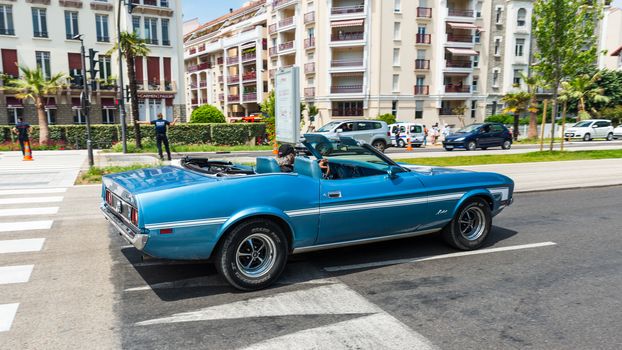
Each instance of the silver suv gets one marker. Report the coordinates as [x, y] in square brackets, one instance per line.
[373, 132]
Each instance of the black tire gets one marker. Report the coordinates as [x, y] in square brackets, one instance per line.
[232, 268]
[401, 143]
[457, 233]
[379, 145]
[610, 136]
[507, 144]
[448, 149]
[471, 146]
[587, 137]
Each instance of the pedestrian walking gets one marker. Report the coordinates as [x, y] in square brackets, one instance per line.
[22, 130]
[161, 127]
[425, 136]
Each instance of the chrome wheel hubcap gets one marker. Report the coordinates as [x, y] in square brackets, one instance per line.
[472, 223]
[255, 255]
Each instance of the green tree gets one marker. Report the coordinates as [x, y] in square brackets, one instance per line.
[387, 118]
[516, 103]
[268, 107]
[564, 32]
[459, 111]
[584, 88]
[132, 46]
[33, 85]
[207, 114]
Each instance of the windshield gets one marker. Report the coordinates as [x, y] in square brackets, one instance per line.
[328, 127]
[469, 128]
[344, 148]
[582, 124]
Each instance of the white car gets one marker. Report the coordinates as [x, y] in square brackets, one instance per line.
[413, 131]
[617, 132]
[590, 129]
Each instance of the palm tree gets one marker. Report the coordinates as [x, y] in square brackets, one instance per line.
[533, 83]
[516, 103]
[132, 46]
[34, 85]
[582, 88]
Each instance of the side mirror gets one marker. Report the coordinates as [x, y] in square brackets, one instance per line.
[594, 126]
[393, 170]
[339, 130]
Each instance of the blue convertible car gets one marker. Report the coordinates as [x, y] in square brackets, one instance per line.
[248, 220]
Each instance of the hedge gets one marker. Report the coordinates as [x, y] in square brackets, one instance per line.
[104, 136]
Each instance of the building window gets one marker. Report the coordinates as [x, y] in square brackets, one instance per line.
[521, 16]
[516, 79]
[14, 114]
[6, 20]
[420, 80]
[495, 78]
[421, 54]
[421, 30]
[477, 37]
[71, 24]
[165, 38]
[105, 70]
[78, 117]
[50, 113]
[396, 82]
[519, 48]
[398, 6]
[39, 23]
[474, 85]
[475, 61]
[151, 30]
[108, 116]
[473, 109]
[497, 46]
[498, 15]
[348, 109]
[396, 57]
[163, 3]
[478, 10]
[397, 33]
[101, 22]
[136, 25]
[419, 109]
[43, 63]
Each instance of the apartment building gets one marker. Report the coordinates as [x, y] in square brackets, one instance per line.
[433, 61]
[610, 39]
[42, 33]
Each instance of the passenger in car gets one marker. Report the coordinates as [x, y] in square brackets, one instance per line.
[325, 167]
[285, 158]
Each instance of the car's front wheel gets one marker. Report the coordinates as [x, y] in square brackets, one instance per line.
[253, 255]
[587, 137]
[470, 226]
[471, 146]
[610, 136]
[380, 145]
[401, 143]
[507, 144]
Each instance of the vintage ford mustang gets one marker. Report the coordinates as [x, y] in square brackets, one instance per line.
[248, 220]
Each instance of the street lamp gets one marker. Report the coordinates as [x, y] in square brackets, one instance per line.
[85, 101]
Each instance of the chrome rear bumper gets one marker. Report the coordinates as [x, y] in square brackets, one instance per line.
[138, 240]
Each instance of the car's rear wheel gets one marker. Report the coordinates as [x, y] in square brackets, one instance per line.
[253, 255]
[587, 137]
[610, 136]
[470, 226]
[401, 143]
[379, 145]
[471, 146]
[507, 144]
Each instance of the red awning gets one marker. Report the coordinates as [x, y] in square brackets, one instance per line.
[462, 52]
[351, 23]
[617, 51]
[108, 103]
[460, 25]
[13, 102]
[50, 103]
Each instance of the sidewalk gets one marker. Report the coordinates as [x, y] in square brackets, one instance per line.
[48, 169]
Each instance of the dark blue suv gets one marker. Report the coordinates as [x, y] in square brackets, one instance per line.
[479, 135]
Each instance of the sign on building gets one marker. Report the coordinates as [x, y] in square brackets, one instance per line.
[287, 105]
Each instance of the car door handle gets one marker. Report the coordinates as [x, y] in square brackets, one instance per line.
[334, 194]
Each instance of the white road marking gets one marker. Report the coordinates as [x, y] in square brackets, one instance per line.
[29, 211]
[15, 274]
[32, 191]
[26, 225]
[377, 331]
[436, 257]
[21, 245]
[7, 314]
[330, 300]
[27, 200]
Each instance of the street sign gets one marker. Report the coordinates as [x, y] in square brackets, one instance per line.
[287, 105]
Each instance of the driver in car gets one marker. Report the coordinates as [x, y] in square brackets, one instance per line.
[325, 167]
[286, 157]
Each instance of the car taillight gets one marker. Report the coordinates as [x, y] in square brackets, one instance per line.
[134, 216]
[108, 197]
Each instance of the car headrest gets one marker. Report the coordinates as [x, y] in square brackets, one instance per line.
[307, 167]
[266, 165]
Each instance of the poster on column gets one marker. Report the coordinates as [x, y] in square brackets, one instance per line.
[287, 105]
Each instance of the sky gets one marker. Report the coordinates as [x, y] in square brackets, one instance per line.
[207, 10]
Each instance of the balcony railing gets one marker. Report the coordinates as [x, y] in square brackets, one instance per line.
[286, 46]
[309, 43]
[221, 97]
[460, 13]
[457, 88]
[233, 98]
[422, 90]
[272, 28]
[421, 64]
[346, 10]
[193, 68]
[310, 68]
[277, 3]
[458, 64]
[346, 89]
[232, 79]
[309, 92]
[460, 38]
[233, 59]
[195, 101]
[348, 36]
[193, 85]
[249, 76]
[220, 60]
[273, 51]
[348, 112]
[424, 12]
[251, 56]
[193, 51]
[447, 111]
[250, 96]
[309, 17]
[347, 63]
[204, 65]
[203, 83]
[7, 31]
[423, 38]
[286, 22]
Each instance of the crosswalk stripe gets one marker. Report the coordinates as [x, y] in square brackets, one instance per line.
[28, 200]
[7, 314]
[15, 274]
[28, 211]
[26, 225]
[21, 245]
[32, 191]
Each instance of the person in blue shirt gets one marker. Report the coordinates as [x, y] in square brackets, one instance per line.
[161, 126]
[22, 130]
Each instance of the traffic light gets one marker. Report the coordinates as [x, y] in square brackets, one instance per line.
[93, 68]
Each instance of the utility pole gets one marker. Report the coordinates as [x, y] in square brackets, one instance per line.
[121, 98]
[85, 102]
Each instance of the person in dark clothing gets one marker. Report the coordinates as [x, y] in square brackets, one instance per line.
[161, 127]
[22, 130]
[286, 158]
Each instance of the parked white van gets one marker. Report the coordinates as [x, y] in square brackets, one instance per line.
[406, 130]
